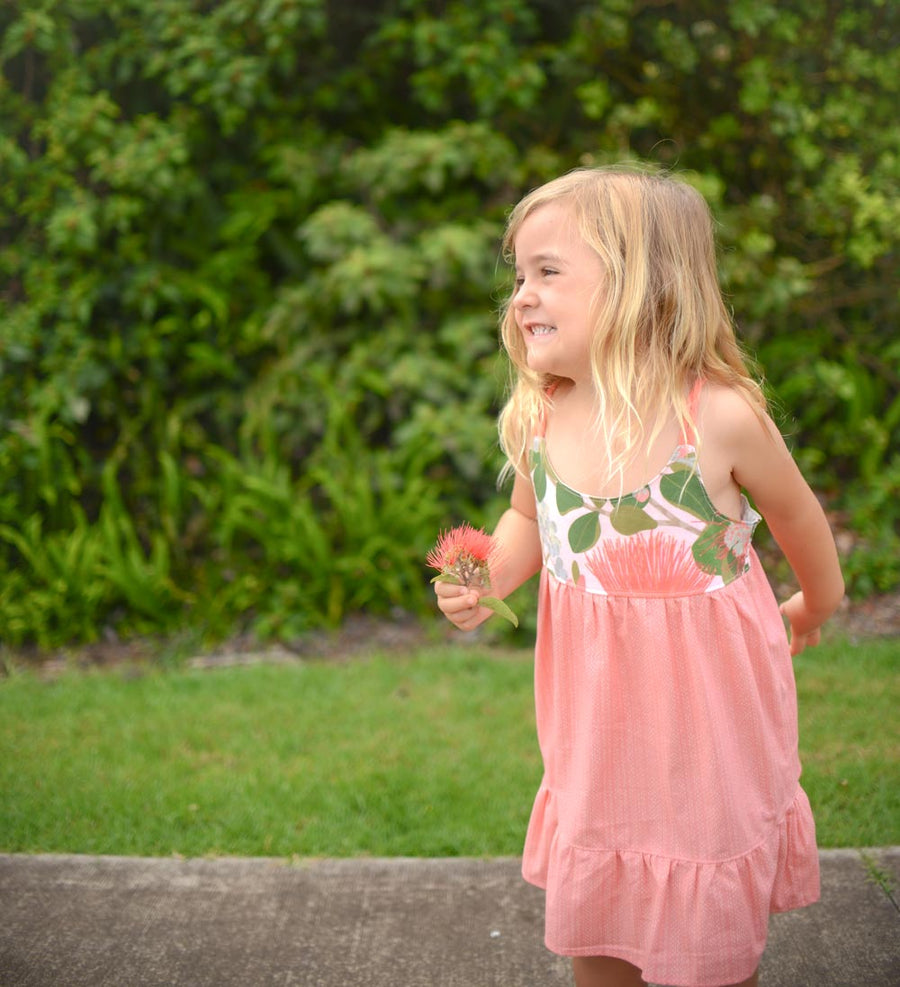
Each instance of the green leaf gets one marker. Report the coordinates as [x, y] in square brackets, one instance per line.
[709, 555]
[539, 478]
[499, 608]
[567, 499]
[684, 489]
[584, 532]
[629, 520]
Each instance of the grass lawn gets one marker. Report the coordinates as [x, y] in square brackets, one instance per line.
[431, 754]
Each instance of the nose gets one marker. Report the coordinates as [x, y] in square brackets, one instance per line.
[524, 296]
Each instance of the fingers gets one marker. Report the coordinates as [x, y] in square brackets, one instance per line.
[459, 605]
[796, 614]
[452, 598]
[800, 642]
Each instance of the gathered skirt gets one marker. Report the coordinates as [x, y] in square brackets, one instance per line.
[670, 821]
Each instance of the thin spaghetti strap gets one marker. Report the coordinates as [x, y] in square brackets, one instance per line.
[689, 432]
[541, 430]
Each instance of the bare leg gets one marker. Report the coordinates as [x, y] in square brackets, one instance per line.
[752, 982]
[605, 971]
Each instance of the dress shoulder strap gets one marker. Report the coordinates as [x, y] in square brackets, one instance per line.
[541, 430]
[689, 432]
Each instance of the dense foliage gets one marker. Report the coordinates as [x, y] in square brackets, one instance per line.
[249, 275]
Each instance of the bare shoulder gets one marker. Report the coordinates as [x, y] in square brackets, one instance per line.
[757, 455]
[728, 420]
[727, 408]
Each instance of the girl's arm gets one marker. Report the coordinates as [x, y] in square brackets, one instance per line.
[763, 465]
[519, 555]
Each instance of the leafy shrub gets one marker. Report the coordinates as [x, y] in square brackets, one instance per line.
[248, 274]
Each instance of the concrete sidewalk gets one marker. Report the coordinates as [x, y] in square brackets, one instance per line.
[69, 921]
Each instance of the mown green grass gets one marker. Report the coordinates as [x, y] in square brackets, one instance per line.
[432, 755]
[426, 755]
[849, 742]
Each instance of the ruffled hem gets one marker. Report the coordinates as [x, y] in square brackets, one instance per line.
[702, 923]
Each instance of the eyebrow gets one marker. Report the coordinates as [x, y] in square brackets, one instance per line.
[542, 259]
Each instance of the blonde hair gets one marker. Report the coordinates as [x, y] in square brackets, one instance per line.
[660, 322]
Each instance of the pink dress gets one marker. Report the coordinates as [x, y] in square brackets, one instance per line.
[670, 821]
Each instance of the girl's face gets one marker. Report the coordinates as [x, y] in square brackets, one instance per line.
[557, 277]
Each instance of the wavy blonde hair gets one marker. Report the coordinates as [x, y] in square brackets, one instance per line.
[660, 321]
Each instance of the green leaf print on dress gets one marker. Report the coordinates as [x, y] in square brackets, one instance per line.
[666, 538]
[629, 519]
[585, 532]
[687, 491]
[711, 555]
[538, 475]
[567, 499]
[722, 548]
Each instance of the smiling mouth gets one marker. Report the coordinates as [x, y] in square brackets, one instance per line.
[538, 331]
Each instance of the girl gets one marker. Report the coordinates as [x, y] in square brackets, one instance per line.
[670, 820]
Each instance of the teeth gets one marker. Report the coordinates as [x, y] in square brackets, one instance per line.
[542, 330]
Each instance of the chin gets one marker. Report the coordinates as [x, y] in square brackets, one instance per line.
[541, 365]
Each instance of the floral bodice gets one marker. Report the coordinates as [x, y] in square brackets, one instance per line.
[664, 539]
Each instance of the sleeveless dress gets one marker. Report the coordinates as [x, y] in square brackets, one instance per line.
[670, 821]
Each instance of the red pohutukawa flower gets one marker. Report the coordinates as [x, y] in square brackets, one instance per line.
[464, 556]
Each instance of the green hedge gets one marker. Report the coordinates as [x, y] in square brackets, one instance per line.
[249, 276]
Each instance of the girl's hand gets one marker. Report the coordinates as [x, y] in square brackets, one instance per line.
[805, 626]
[459, 604]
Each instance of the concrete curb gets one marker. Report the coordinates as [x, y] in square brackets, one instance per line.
[72, 921]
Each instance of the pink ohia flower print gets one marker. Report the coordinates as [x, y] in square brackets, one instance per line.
[464, 556]
[737, 538]
[655, 562]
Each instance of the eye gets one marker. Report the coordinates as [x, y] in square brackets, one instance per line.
[547, 271]
[519, 281]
